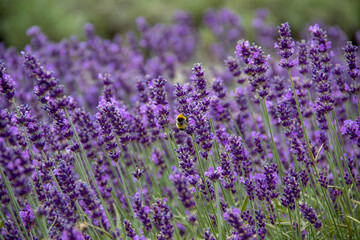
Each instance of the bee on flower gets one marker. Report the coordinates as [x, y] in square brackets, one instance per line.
[181, 122]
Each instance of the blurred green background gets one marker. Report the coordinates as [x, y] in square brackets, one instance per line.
[62, 18]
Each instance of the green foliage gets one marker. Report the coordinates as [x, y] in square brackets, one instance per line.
[59, 19]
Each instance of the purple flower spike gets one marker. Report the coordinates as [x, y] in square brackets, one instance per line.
[234, 69]
[260, 218]
[323, 180]
[208, 235]
[291, 191]
[239, 156]
[163, 216]
[142, 212]
[286, 46]
[233, 217]
[303, 55]
[138, 173]
[27, 217]
[353, 69]
[249, 187]
[310, 215]
[159, 96]
[7, 84]
[320, 58]
[256, 66]
[212, 174]
[130, 232]
[181, 186]
[200, 82]
[71, 234]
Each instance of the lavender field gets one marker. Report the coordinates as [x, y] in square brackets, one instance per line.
[156, 134]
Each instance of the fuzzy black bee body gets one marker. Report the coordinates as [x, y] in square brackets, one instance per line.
[181, 122]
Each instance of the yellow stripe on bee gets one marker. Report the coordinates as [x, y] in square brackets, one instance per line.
[181, 116]
[181, 127]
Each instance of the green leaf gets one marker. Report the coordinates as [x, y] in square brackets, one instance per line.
[118, 220]
[353, 219]
[243, 207]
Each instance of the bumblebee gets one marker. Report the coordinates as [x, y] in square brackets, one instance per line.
[181, 122]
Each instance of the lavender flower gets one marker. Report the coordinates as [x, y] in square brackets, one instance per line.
[323, 180]
[142, 212]
[204, 136]
[304, 177]
[212, 174]
[27, 217]
[256, 66]
[7, 84]
[33, 128]
[303, 54]
[45, 80]
[232, 216]
[227, 176]
[234, 69]
[163, 217]
[320, 58]
[130, 232]
[138, 173]
[352, 129]
[90, 200]
[159, 96]
[206, 188]
[181, 186]
[309, 214]
[182, 99]
[271, 179]
[239, 156]
[291, 191]
[260, 219]
[200, 82]
[350, 54]
[71, 234]
[249, 187]
[208, 235]
[185, 161]
[285, 46]
[257, 141]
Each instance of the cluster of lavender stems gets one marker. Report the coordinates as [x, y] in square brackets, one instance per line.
[90, 148]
